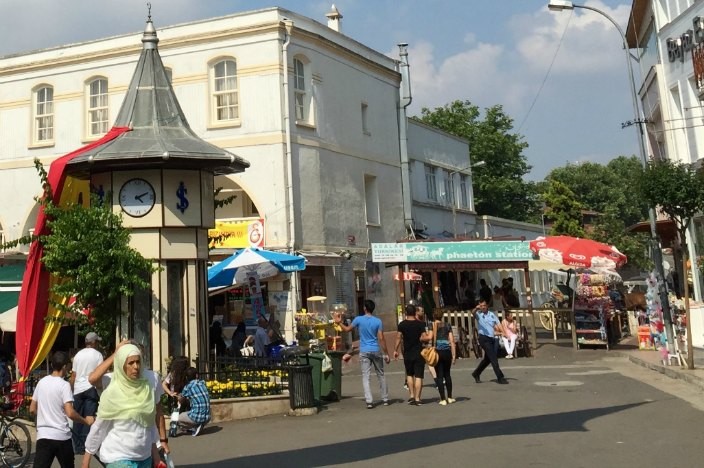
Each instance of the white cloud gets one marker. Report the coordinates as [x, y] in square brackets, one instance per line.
[31, 24]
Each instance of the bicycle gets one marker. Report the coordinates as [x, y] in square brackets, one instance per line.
[15, 440]
[550, 317]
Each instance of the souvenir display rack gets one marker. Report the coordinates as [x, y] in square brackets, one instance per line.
[592, 308]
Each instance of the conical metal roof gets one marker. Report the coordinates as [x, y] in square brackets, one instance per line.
[160, 136]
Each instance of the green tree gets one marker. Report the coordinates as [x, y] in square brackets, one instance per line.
[563, 209]
[611, 229]
[678, 191]
[88, 248]
[602, 188]
[610, 190]
[499, 188]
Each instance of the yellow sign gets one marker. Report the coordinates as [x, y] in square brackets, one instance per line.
[237, 234]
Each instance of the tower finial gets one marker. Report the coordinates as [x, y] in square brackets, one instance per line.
[149, 38]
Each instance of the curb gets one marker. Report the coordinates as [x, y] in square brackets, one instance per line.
[673, 373]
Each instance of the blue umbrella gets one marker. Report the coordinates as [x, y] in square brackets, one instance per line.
[237, 268]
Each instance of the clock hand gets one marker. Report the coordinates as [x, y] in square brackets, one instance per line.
[139, 197]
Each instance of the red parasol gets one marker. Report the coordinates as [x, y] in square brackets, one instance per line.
[577, 252]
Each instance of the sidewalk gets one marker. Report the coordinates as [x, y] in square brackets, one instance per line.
[652, 360]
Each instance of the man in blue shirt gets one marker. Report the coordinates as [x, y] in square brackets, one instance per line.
[487, 325]
[196, 393]
[372, 350]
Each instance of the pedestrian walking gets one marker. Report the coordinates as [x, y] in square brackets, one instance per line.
[447, 354]
[52, 403]
[428, 321]
[487, 326]
[412, 333]
[85, 395]
[373, 352]
[129, 415]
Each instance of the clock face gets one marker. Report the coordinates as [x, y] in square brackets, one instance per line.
[137, 197]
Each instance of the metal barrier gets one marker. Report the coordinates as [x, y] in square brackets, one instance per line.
[463, 324]
[243, 377]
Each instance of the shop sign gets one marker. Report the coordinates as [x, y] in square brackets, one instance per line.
[679, 46]
[470, 251]
[237, 234]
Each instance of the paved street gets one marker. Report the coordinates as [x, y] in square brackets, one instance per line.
[563, 408]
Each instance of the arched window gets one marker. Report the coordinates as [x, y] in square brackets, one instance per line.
[43, 131]
[299, 89]
[97, 105]
[303, 91]
[225, 100]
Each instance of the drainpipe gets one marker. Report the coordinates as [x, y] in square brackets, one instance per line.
[290, 213]
[404, 102]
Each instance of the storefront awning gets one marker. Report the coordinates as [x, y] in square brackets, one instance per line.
[8, 300]
[321, 258]
[10, 285]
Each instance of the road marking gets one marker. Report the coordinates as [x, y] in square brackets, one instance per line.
[592, 372]
[560, 383]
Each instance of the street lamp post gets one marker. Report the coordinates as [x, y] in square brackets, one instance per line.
[560, 5]
[454, 198]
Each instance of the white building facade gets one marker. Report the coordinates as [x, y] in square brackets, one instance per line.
[668, 35]
[315, 113]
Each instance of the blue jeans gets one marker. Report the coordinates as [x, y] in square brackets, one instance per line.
[146, 463]
[85, 404]
[376, 360]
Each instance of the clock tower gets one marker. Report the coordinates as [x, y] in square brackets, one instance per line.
[159, 176]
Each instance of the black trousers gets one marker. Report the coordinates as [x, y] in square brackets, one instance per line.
[47, 449]
[489, 345]
[442, 370]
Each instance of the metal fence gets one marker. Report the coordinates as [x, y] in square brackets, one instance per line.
[21, 396]
[244, 377]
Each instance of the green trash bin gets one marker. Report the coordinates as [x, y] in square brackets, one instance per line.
[327, 385]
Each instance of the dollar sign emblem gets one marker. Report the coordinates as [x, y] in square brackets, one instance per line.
[181, 194]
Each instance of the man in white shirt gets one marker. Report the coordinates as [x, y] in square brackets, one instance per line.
[52, 402]
[261, 338]
[85, 395]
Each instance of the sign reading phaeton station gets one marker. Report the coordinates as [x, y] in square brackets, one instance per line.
[469, 251]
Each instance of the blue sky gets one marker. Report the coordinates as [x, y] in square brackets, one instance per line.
[486, 51]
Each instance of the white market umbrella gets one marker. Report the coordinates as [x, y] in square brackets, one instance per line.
[237, 268]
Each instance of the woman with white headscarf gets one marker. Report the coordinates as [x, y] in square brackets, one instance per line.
[124, 430]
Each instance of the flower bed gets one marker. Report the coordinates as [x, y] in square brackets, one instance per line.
[253, 383]
[238, 380]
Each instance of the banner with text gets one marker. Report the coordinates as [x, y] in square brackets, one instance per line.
[469, 251]
[237, 234]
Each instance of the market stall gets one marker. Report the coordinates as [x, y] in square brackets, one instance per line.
[449, 271]
[594, 311]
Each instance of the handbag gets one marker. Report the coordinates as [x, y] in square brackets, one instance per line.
[247, 351]
[429, 353]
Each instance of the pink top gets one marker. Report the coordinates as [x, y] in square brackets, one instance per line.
[509, 327]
